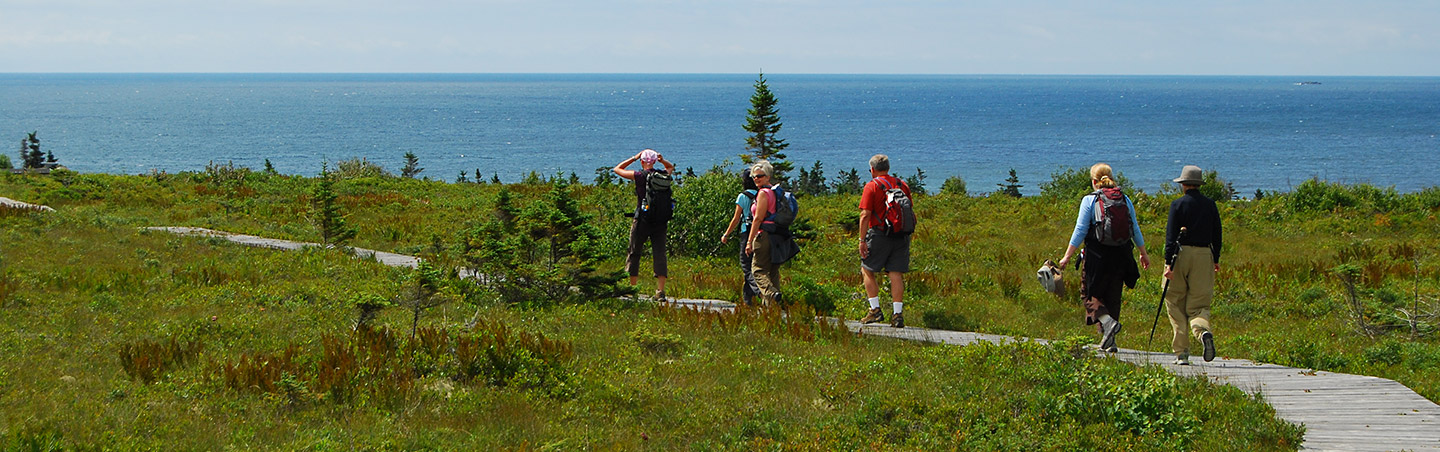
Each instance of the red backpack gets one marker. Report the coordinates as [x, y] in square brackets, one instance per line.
[898, 219]
[1112, 217]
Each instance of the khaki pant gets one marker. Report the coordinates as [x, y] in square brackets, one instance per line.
[766, 273]
[1187, 300]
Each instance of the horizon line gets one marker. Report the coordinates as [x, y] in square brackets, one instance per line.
[899, 74]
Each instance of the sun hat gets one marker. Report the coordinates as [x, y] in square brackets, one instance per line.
[1190, 175]
[649, 156]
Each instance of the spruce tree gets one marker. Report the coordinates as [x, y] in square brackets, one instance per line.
[763, 122]
[1011, 187]
[917, 182]
[412, 167]
[30, 153]
[333, 230]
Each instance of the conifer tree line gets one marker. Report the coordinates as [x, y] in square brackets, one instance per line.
[30, 154]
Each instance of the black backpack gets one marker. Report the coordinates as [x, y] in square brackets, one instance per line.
[658, 206]
[1112, 221]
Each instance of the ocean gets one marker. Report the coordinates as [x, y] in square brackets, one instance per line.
[1267, 133]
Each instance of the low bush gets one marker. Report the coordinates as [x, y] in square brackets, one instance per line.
[658, 343]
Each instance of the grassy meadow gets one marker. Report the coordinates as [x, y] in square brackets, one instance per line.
[117, 338]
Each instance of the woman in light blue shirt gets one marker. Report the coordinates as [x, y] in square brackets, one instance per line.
[1107, 260]
[742, 218]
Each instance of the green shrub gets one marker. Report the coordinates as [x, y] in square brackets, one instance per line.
[703, 207]
[1315, 195]
[357, 168]
[1215, 188]
[1313, 302]
[658, 343]
[1133, 399]
[819, 296]
[1303, 353]
[1420, 356]
[953, 185]
[1427, 199]
[1073, 183]
[1387, 353]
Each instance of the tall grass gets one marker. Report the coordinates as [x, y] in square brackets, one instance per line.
[283, 323]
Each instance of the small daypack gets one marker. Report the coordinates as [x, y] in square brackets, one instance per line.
[1112, 217]
[898, 219]
[782, 213]
[658, 205]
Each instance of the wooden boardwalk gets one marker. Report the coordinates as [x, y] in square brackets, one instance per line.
[1341, 412]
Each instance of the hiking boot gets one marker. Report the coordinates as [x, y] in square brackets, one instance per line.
[660, 297]
[1182, 359]
[875, 316]
[1108, 342]
[1209, 341]
[898, 320]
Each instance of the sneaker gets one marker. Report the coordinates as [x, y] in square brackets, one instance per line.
[1108, 343]
[898, 320]
[1209, 341]
[660, 297]
[875, 316]
[1182, 359]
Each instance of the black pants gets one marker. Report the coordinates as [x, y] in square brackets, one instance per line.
[750, 288]
[640, 231]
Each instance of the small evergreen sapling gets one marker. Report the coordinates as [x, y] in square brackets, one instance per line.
[917, 182]
[333, 230]
[1011, 187]
[412, 167]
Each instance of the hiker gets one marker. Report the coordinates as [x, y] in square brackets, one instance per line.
[1192, 258]
[653, 209]
[743, 218]
[1107, 226]
[885, 211]
[763, 269]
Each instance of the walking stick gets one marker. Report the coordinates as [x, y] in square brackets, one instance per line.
[1158, 308]
[1163, 289]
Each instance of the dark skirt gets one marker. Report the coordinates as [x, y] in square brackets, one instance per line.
[1106, 271]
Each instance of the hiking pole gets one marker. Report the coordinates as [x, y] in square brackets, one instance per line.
[1163, 289]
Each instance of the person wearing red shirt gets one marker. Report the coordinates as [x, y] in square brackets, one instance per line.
[879, 251]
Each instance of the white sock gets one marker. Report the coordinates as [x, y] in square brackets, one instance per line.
[898, 306]
[1106, 320]
[874, 302]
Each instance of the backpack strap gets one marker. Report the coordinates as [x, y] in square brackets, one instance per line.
[770, 213]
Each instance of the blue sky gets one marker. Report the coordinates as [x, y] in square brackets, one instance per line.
[1261, 37]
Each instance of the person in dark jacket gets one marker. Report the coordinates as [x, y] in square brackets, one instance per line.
[1192, 258]
[1106, 268]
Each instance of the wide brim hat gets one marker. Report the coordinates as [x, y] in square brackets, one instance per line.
[1190, 175]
